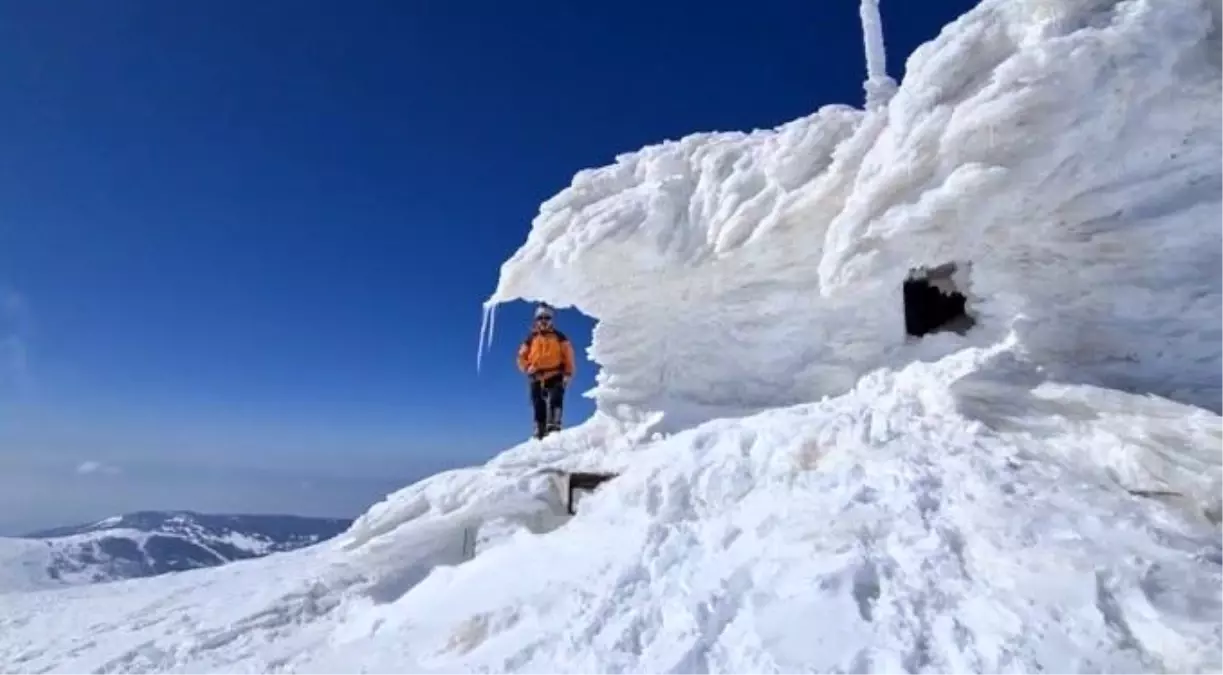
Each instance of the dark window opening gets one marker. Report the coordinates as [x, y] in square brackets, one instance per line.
[933, 302]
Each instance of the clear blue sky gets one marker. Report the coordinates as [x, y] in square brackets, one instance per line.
[243, 245]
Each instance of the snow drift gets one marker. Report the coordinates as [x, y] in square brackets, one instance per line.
[802, 487]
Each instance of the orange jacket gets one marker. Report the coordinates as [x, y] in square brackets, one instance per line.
[546, 352]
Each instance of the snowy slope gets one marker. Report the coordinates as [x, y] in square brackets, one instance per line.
[150, 543]
[915, 523]
[25, 565]
[803, 489]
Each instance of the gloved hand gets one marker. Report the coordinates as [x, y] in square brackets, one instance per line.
[565, 380]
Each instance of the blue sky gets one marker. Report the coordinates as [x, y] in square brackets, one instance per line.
[243, 246]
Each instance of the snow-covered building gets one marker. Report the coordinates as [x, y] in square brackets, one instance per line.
[1063, 156]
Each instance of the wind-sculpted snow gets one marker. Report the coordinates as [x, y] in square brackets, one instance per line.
[649, 247]
[880, 531]
[1069, 152]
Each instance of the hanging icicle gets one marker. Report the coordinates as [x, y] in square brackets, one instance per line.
[492, 325]
[483, 327]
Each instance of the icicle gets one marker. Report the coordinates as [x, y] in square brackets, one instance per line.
[492, 325]
[488, 327]
[480, 344]
[879, 87]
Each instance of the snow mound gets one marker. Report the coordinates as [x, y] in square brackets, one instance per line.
[1066, 154]
[884, 530]
[925, 521]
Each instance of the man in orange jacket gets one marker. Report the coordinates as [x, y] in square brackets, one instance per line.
[546, 356]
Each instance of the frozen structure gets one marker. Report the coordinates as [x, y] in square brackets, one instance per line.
[1063, 155]
[931, 386]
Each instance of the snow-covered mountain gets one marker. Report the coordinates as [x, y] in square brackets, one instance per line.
[149, 543]
[931, 386]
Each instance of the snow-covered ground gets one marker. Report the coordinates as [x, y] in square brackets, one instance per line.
[27, 564]
[150, 543]
[24, 564]
[938, 518]
[802, 488]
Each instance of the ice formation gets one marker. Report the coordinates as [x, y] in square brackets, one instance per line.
[1066, 154]
[803, 487]
[879, 86]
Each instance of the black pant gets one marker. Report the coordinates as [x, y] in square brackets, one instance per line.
[548, 400]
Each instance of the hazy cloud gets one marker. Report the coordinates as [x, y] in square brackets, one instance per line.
[92, 467]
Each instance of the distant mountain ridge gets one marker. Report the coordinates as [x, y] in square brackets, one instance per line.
[150, 543]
